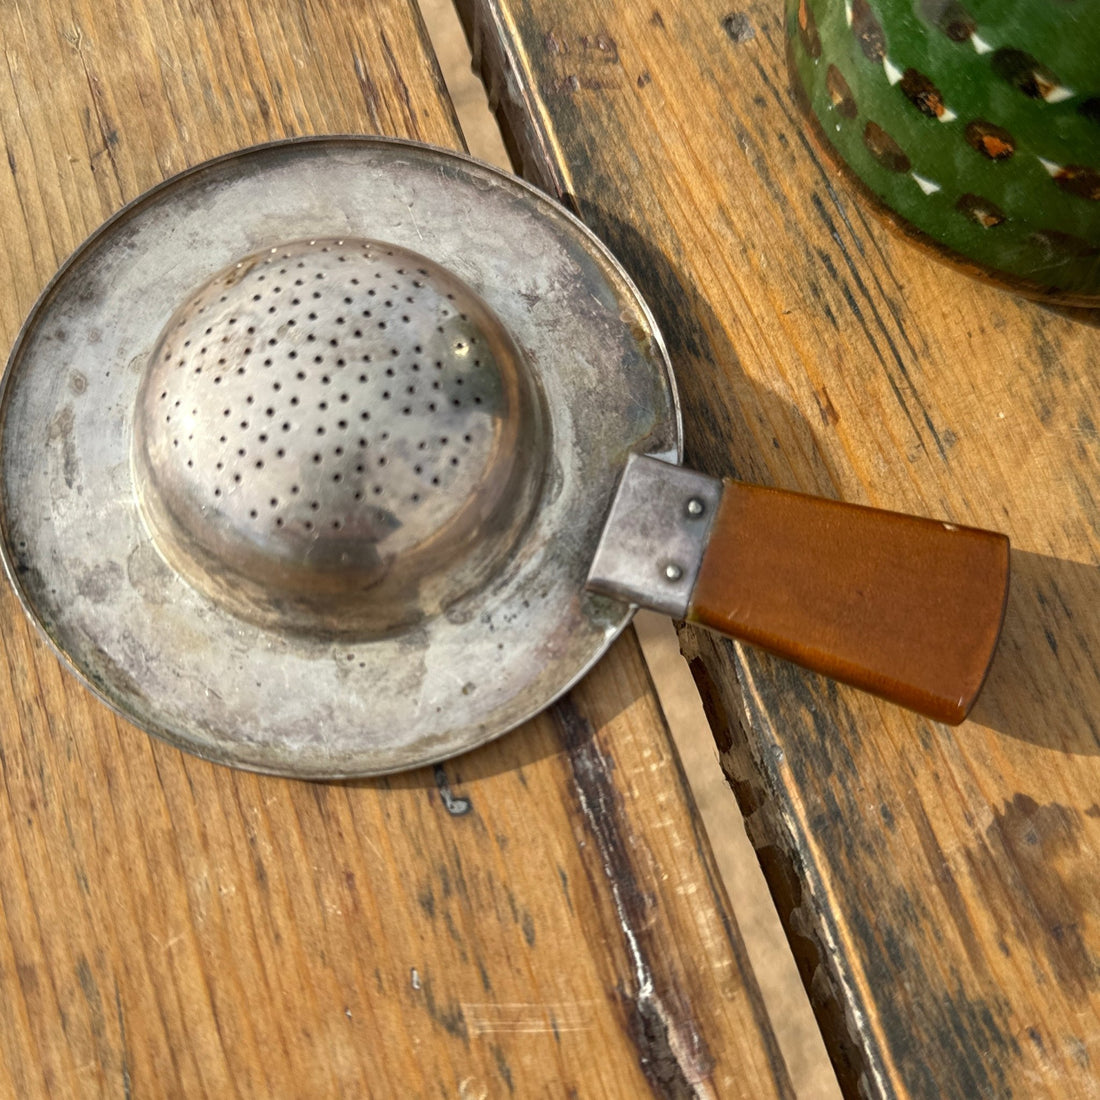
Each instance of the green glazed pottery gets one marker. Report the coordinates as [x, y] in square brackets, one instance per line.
[975, 125]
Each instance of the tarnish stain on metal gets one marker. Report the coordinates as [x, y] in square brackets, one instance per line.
[673, 1054]
[61, 431]
[454, 804]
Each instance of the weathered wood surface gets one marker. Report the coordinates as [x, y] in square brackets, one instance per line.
[939, 887]
[540, 918]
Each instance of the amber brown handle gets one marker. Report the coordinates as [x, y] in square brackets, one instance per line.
[906, 608]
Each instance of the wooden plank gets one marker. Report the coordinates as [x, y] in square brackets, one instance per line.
[542, 917]
[938, 886]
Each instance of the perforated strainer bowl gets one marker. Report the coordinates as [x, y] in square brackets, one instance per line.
[327, 439]
[306, 452]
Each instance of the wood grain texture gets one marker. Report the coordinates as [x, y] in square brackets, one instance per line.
[540, 918]
[938, 887]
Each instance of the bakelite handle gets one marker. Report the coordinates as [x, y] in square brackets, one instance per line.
[906, 608]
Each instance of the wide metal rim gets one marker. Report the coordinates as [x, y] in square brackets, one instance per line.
[104, 625]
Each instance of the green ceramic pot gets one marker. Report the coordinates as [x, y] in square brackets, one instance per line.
[976, 127]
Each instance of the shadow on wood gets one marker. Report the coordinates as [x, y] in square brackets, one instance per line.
[1044, 671]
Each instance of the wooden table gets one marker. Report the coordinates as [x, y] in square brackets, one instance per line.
[940, 888]
[540, 918]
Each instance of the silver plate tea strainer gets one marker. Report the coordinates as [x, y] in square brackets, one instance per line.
[317, 459]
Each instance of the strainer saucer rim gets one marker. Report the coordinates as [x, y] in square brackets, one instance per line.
[311, 758]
